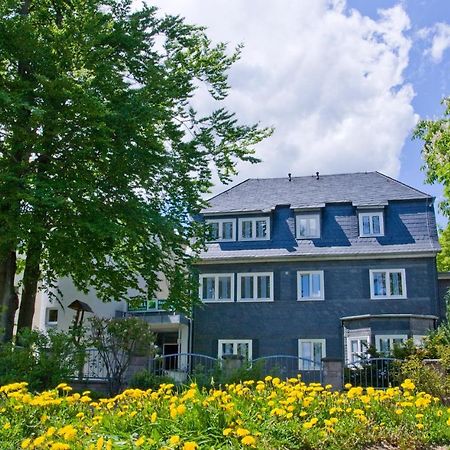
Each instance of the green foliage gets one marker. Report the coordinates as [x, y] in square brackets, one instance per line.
[117, 341]
[42, 360]
[103, 159]
[143, 379]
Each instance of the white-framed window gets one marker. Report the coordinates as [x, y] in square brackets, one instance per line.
[254, 228]
[217, 287]
[255, 287]
[311, 352]
[387, 283]
[419, 340]
[385, 343]
[371, 224]
[310, 285]
[357, 347]
[241, 347]
[222, 229]
[51, 316]
[308, 226]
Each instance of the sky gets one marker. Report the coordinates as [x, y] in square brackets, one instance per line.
[343, 82]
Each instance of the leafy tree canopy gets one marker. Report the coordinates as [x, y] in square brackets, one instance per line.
[103, 158]
[436, 154]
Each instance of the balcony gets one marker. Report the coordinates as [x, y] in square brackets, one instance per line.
[155, 305]
[153, 312]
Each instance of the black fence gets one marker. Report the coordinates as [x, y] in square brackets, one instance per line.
[380, 373]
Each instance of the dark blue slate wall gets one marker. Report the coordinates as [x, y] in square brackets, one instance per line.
[276, 326]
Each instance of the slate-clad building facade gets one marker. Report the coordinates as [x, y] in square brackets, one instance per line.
[317, 266]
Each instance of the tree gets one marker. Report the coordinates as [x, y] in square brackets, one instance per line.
[103, 159]
[436, 154]
[116, 341]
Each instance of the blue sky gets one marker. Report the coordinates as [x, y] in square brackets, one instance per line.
[342, 81]
[430, 79]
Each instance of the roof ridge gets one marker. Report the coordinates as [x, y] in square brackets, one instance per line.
[403, 184]
[229, 189]
[313, 175]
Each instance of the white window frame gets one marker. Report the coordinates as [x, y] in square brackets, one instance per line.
[311, 341]
[322, 285]
[254, 220]
[371, 214]
[307, 216]
[47, 317]
[221, 222]
[419, 340]
[358, 338]
[255, 276]
[388, 286]
[235, 343]
[216, 290]
[391, 338]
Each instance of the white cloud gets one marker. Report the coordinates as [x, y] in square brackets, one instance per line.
[329, 80]
[440, 40]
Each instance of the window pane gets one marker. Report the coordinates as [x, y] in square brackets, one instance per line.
[209, 288]
[261, 228]
[379, 283]
[313, 222]
[242, 349]
[366, 224]
[263, 286]
[354, 346]
[224, 288]
[227, 230]
[214, 230]
[247, 229]
[317, 356]
[304, 286]
[306, 354]
[303, 228]
[376, 229]
[247, 287]
[385, 346]
[228, 349]
[315, 285]
[396, 283]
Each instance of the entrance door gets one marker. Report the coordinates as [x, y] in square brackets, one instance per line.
[171, 352]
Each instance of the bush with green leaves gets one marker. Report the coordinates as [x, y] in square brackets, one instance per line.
[42, 359]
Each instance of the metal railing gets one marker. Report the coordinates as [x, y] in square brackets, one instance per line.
[287, 366]
[94, 368]
[178, 366]
[379, 373]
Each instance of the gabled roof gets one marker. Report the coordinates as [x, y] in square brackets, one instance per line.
[360, 189]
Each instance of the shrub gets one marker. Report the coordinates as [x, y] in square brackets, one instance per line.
[42, 360]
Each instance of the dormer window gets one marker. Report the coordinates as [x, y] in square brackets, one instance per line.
[371, 224]
[254, 228]
[308, 226]
[222, 229]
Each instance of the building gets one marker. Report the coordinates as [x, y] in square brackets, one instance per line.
[317, 266]
[301, 266]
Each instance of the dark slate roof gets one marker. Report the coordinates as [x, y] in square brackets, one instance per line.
[360, 189]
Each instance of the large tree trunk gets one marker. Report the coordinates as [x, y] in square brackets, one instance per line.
[31, 277]
[8, 296]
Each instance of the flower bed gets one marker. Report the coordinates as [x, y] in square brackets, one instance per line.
[269, 414]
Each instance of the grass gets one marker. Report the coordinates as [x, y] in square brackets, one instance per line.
[269, 414]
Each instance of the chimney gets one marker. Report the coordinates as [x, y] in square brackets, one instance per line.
[317, 176]
[290, 176]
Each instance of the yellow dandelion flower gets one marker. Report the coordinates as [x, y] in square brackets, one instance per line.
[153, 417]
[190, 445]
[248, 440]
[25, 443]
[242, 432]
[227, 431]
[100, 442]
[7, 426]
[174, 440]
[139, 442]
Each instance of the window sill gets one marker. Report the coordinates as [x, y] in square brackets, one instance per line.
[392, 297]
[218, 301]
[267, 300]
[370, 235]
[253, 239]
[310, 299]
[306, 238]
